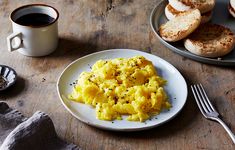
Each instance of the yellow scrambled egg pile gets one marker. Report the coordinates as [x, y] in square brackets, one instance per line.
[122, 87]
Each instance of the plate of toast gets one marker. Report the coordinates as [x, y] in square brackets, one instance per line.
[202, 30]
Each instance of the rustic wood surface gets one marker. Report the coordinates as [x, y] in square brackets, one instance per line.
[86, 26]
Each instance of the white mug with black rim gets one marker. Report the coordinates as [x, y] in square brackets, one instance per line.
[35, 30]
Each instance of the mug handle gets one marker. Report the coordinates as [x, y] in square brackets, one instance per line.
[9, 41]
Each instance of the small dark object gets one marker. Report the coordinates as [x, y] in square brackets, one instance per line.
[3, 82]
[43, 79]
[7, 77]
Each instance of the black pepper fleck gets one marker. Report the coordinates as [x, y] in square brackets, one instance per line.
[89, 66]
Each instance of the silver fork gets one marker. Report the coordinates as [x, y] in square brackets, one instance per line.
[207, 108]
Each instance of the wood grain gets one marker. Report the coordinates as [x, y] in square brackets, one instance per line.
[89, 26]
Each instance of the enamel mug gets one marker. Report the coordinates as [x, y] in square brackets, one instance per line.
[31, 40]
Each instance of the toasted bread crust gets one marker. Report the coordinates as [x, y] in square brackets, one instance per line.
[231, 10]
[173, 10]
[232, 3]
[181, 26]
[207, 13]
[206, 17]
[202, 5]
[210, 40]
[171, 13]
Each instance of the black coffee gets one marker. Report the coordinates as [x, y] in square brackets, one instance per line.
[35, 19]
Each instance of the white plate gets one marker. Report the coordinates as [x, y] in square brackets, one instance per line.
[176, 89]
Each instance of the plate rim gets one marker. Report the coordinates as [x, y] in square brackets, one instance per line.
[182, 52]
[113, 128]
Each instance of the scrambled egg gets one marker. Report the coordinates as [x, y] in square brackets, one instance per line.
[122, 87]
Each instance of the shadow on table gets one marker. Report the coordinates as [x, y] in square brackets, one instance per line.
[14, 90]
[68, 50]
[181, 122]
[69, 47]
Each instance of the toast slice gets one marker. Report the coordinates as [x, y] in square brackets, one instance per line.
[210, 40]
[231, 7]
[181, 26]
[202, 5]
[171, 13]
[206, 17]
[232, 3]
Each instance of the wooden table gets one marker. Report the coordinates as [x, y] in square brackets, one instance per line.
[86, 26]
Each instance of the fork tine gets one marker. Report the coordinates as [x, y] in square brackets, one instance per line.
[201, 100]
[207, 99]
[204, 103]
[204, 97]
[195, 94]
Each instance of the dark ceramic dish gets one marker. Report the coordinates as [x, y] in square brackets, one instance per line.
[8, 77]
[220, 16]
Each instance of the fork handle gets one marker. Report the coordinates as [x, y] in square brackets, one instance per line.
[230, 133]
